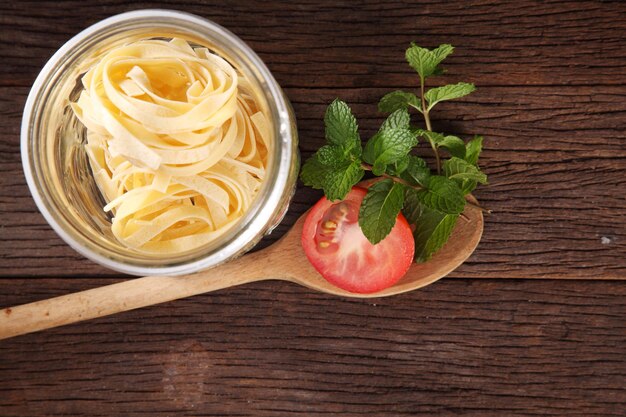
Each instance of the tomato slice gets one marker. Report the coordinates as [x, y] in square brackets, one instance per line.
[334, 243]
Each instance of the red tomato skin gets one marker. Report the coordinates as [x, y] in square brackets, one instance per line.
[384, 263]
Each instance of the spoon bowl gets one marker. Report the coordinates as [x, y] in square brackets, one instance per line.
[295, 267]
[284, 260]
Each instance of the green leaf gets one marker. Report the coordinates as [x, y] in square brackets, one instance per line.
[418, 131]
[336, 181]
[417, 171]
[425, 62]
[432, 230]
[441, 52]
[339, 181]
[461, 170]
[433, 137]
[473, 149]
[399, 119]
[379, 167]
[399, 166]
[397, 100]
[371, 148]
[453, 144]
[442, 194]
[472, 152]
[412, 207]
[313, 173]
[447, 92]
[380, 208]
[341, 126]
[332, 155]
[388, 146]
[467, 186]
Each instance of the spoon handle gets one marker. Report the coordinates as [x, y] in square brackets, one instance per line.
[130, 295]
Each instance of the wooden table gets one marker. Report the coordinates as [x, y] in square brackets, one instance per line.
[544, 335]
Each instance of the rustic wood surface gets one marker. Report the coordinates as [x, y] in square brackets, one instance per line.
[551, 102]
[458, 347]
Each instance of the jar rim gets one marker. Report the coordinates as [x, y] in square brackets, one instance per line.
[285, 149]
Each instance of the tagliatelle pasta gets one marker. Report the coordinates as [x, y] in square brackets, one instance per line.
[176, 142]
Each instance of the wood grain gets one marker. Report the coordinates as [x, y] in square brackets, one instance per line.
[458, 347]
[551, 102]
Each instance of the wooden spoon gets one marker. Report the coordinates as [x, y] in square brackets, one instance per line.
[284, 260]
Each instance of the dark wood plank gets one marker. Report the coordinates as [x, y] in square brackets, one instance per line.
[332, 44]
[458, 347]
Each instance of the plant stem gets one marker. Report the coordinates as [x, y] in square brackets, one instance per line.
[419, 187]
[428, 125]
[436, 152]
[425, 112]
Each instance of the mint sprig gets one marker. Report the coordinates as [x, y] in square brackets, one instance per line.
[431, 202]
[336, 166]
[425, 61]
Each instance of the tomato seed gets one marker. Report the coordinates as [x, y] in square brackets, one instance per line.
[330, 225]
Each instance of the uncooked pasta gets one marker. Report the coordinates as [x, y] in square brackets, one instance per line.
[176, 142]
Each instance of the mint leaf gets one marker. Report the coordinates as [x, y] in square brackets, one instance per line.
[473, 149]
[441, 52]
[399, 119]
[461, 170]
[339, 181]
[332, 155]
[432, 230]
[336, 181]
[432, 137]
[412, 207]
[379, 167]
[416, 172]
[398, 167]
[397, 100]
[447, 92]
[380, 208]
[341, 126]
[467, 186]
[425, 62]
[442, 194]
[453, 144]
[313, 173]
[388, 146]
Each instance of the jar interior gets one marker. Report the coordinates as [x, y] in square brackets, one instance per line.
[61, 165]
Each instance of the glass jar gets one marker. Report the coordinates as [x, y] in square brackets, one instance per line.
[58, 172]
